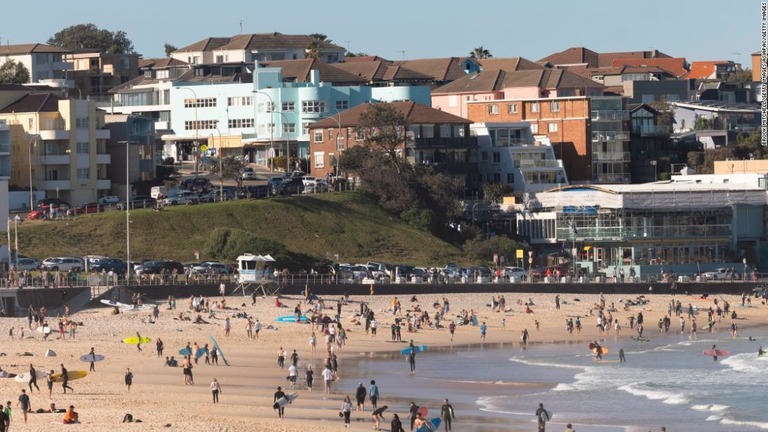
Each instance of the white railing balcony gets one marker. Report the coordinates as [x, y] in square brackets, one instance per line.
[54, 134]
[611, 157]
[62, 159]
[56, 184]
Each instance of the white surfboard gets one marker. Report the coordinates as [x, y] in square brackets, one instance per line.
[285, 400]
[24, 377]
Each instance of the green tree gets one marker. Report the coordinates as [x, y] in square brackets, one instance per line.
[12, 72]
[495, 192]
[320, 36]
[482, 249]
[358, 54]
[169, 49]
[88, 36]
[384, 128]
[480, 53]
[231, 168]
[740, 76]
[313, 49]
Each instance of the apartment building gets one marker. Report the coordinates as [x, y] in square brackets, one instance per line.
[59, 146]
[610, 140]
[95, 73]
[5, 170]
[565, 121]
[46, 64]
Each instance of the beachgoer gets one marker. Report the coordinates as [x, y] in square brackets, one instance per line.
[159, 345]
[420, 422]
[5, 421]
[293, 373]
[760, 352]
[569, 428]
[413, 411]
[714, 352]
[373, 394]
[452, 329]
[396, 425]
[32, 378]
[65, 379]
[622, 359]
[483, 329]
[310, 377]
[378, 415]
[447, 414]
[360, 394]
[215, 390]
[281, 358]
[50, 381]
[412, 361]
[328, 378]
[92, 354]
[346, 410]
[138, 345]
[24, 404]
[71, 416]
[279, 395]
[128, 378]
[543, 417]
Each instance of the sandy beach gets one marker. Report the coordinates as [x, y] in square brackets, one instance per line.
[161, 400]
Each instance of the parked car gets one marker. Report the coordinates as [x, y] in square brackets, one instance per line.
[109, 265]
[27, 264]
[184, 197]
[248, 173]
[721, 273]
[56, 202]
[138, 202]
[315, 186]
[515, 272]
[157, 267]
[215, 196]
[198, 184]
[287, 186]
[37, 214]
[88, 208]
[254, 192]
[63, 264]
[214, 266]
[109, 200]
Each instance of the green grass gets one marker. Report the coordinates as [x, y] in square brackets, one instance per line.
[321, 226]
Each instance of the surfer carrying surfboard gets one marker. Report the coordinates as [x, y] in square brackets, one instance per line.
[543, 417]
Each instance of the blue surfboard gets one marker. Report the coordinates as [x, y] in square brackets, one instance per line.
[221, 353]
[290, 318]
[435, 423]
[185, 351]
[417, 348]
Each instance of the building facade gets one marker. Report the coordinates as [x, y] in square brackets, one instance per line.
[46, 64]
[610, 140]
[95, 73]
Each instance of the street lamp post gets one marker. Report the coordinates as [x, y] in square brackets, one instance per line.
[220, 155]
[16, 221]
[574, 231]
[344, 137]
[127, 214]
[29, 157]
[197, 128]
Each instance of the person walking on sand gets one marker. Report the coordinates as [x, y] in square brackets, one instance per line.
[65, 379]
[622, 359]
[346, 410]
[452, 329]
[24, 404]
[378, 415]
[328, 378]
[215, 390]
[159, 345]
[360, 395]
[138, 345]
[543, 417]
[313, 343]
[310, 377]
[32, 378]
[413, 411]
[483, 329]
[447, 414]
[92, 357]
[373, 395]
[5, 421]
[412, 361]
[128, 378]
[396, 425]
[281, 358]
[227, 327]
[50, 382]
[279, 394]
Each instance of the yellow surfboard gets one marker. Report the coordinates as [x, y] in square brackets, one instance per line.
[72, 375]
[134, 340]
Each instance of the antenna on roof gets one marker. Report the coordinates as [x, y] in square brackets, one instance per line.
[402, 52]
[241, 26]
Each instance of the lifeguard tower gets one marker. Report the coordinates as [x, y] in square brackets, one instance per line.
[251, 274]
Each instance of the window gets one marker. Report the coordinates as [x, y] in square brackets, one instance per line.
[161, 74]
[219, 59]
[427, 131]
[493, 109]
[288, 106]
[458, 131]
[83, 173]
[445, 131]
[497, 178]
[510, 178]
[81, 123]
[534, 107]
[240, 101]
[82, 148]
[240, 123]
[289, 127]
[496, 157]
[342, 105]
[512, 108]
[318, 135]
[312, 106]
[359, 134]
[267, 106]
[319, 160]
[552, 127]
[305, 127]
[534, 128]
[200, 103]
[484, 156]
[554, 107]
[41, 59]
[340, 143]
[200, 124]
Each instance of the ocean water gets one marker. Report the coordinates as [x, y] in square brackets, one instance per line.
[665, 382]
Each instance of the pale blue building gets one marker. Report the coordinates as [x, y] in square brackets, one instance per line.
[264, 117]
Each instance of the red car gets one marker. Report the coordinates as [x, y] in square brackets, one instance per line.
[88, 208]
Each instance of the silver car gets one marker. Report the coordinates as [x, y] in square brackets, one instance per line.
[184, 197]
[63, 264]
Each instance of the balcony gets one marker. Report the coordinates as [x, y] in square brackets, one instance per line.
[610, 136]
[651, 130]
[62, 66]
[162, 125]
[102, 134]
[55, 184]
[103, 184]
[542, 163]
[103, 159]
[453, 168]
[611, 157]
[424, 143]
[54, 134]
[610, 115]
[62, 159]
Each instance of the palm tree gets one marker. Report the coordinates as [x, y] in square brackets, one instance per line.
[481, 53]
[313, 50]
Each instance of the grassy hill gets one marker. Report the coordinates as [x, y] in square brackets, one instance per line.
[320, 226]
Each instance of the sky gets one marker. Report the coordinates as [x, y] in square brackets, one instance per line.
[399, 29]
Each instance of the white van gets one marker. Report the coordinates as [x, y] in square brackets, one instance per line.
[156, 191]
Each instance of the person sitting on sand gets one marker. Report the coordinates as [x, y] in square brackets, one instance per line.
[71, 416]
[200, 320]
[528, 310]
